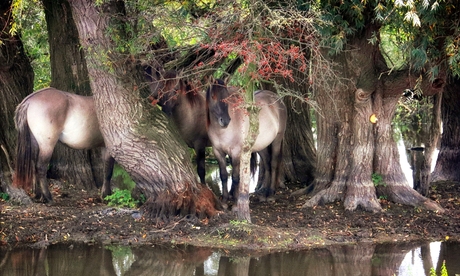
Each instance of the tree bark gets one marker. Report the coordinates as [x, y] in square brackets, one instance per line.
[16, 82]
[299, 152]
[431, 143]
[69, 73]
[350, 147]
[449, 153]
[136, 134]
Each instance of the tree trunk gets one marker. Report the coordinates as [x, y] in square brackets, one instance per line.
[242, 205]
[431, 143]
[299, 152]
[69, 73]
[449, 153]
[137, 135]
[16, 82]
[350, 148]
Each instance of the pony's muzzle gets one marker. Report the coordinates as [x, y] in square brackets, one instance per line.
[224, 122]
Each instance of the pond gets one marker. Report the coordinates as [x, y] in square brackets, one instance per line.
[360, 259]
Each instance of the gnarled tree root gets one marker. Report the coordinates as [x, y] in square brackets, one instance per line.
[200, 202]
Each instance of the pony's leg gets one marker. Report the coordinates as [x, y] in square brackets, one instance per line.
[261, 178]
[235, 177]
[220, 156]
[264, 174]
[276, 159]
[42, 191]
[109, 162]
[200, 163]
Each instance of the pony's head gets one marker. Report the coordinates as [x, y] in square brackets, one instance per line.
[168, 91]
[216, 102]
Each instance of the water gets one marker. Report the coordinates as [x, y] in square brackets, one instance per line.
[363, 259]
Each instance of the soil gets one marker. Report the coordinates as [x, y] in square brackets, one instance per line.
[80, 216]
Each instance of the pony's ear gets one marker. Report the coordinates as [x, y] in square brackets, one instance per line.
[180, 73]
[226, 79]
[210, 79]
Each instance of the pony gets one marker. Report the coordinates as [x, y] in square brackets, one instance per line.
[186, 107]
[42, 119]
[227, 127]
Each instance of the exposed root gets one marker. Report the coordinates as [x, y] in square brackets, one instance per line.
[200, 203]
[322, 197]
[299, 193]
[407, 196]
[18, 196]
[371, 204]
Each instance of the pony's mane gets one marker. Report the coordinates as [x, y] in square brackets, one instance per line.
[169, 77]
[191, 93]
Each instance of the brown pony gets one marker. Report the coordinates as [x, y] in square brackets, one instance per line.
[42, 119]
[187, 109]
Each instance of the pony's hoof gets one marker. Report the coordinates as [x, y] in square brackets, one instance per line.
[271, 199]
[262, 198]
[49, 203]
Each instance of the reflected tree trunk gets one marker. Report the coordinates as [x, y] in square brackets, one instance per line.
[426, 258]
[167, 261]
[318, 261]
[389, 258]
[449, 254]
[234, 266]
[353, 260]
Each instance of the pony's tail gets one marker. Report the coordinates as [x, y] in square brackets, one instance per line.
[26, 150]
[253, 163]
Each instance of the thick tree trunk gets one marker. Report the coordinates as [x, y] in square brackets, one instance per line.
[449, 153]
[16, 82]
[299, 152]
[69, 73]
[137, 135]
[350, 148]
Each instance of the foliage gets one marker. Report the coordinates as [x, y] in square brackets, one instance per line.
[121, 198]
[29, 19]
[125, 183]
[426, 30]
[377, 179]
[4, 196]
[238, 222]
[443, 270]
[413, 117]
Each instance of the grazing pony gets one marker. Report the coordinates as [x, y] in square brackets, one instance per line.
[187, 108]
[227, 126]
[42, 119]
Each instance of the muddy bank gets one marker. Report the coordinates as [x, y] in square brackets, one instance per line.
[79, 216]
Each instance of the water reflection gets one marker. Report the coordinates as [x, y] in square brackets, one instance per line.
[362, 259]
